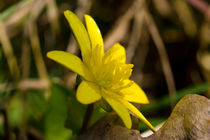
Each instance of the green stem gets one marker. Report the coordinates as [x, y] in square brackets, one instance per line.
[87, 119]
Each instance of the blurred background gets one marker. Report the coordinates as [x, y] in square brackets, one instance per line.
[167, 41]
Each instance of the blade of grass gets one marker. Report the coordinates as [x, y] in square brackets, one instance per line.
[9, 53]
[9, 11]
[164, 102]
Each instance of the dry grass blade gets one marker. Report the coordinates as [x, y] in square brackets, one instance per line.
[119, 29]
[53, 16]
[17, 16]
[32, 84]
[21, 11]
[8, 51]
[34, 38]
[163, 7]
[35, 43]
[186, 18]
[25, 56]
[163, 56]
[136, 33]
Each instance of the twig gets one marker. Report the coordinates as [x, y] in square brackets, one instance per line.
[119, 29]
[136, 31]
[163, 56]
[33, 84]
[26, 84]
[201, 5]
[143, 51]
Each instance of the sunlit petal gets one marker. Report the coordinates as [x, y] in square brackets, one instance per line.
[94, 34]
[115, 53]
[120, 109]
[80, 33]
[88, 92]
[71, 61]
[135, 111]
[134, 93]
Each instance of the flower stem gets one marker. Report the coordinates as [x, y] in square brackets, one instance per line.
[88, 115]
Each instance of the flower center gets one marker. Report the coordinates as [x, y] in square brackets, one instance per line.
[113, 75]
[108, 71]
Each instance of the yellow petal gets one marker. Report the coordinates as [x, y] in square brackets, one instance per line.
[135, 111]
[94, 34]
[120, 109]
[134, 93]
[115, 53]
[88, 92]
[70, 61]
[80, 33]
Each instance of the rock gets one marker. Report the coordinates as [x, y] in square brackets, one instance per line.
[190, 119]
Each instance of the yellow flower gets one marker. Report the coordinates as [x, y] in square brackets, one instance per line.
[105, 74]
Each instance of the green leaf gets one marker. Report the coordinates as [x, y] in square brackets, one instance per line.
[56, 114]
[14, 110]
[36, 104]
[76, 113]
[97, 114]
